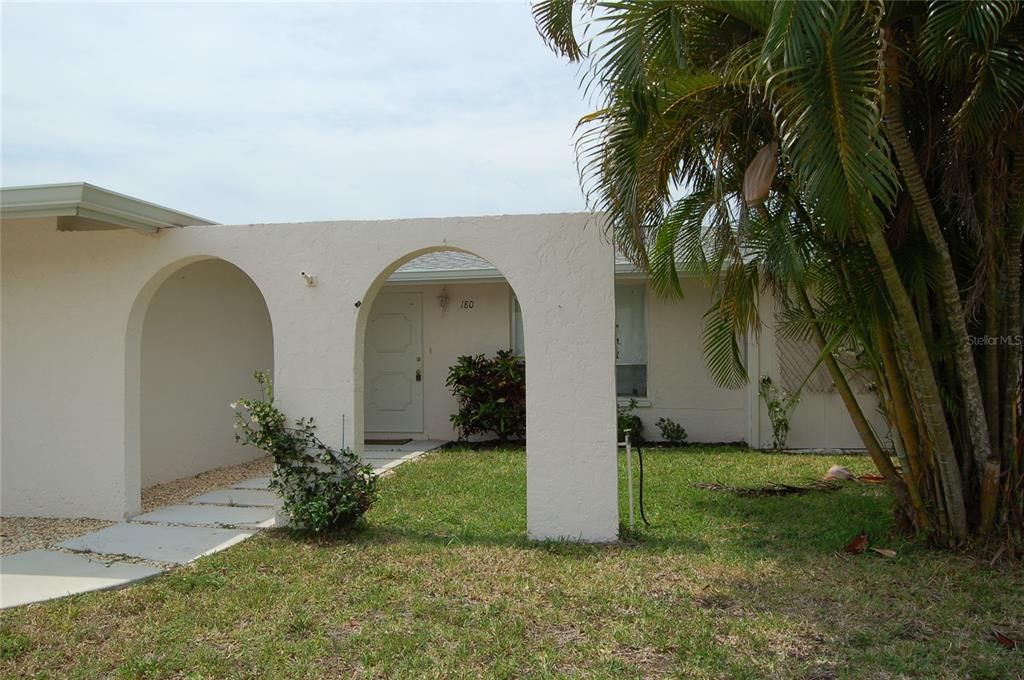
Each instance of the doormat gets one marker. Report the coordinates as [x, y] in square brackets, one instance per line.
[386, 442]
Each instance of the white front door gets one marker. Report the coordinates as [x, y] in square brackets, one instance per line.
[394, 364]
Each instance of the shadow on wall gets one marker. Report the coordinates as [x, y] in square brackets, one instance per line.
[206, 330]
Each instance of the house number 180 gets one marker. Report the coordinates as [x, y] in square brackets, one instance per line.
[467, 304]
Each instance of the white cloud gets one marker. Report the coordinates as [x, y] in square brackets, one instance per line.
[292, 112]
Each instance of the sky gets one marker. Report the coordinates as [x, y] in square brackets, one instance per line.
[289, 112]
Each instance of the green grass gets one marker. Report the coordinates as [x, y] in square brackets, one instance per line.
[441, 583]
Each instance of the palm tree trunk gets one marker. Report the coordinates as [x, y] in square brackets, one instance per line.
[986, 459]
[860, 422]
[921, 379]
[991, 361]
[906, 426]
[1012, 378]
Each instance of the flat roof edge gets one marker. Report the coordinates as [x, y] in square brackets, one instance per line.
[88, 200]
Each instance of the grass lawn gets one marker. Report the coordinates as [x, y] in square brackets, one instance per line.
[441, 583]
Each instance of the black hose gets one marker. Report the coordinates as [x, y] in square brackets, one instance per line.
[640, 456]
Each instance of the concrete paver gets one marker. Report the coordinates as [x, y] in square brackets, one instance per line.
[178, 545]
[210, 515]
[175, 534]
[245, 497]
[255, 483]
[37, 575]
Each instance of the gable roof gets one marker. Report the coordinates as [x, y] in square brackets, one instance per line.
[80, 206]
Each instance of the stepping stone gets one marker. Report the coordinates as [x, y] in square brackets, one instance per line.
[38, 575]
[179, 545]
[210, 515]
[257, 497]
[255, 483]
[380, 466]
[381, 462]
[376, 457]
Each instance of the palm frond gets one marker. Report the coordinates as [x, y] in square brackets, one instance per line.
[825, 85]
[554, 22]
[955, 33]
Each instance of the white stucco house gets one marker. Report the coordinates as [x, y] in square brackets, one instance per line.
[126, 328]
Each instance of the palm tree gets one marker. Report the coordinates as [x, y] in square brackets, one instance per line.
[862, 161]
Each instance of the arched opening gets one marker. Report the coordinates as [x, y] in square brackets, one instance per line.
[197, 333]
[425, 312]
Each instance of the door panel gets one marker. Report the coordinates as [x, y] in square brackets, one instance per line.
[394, 351]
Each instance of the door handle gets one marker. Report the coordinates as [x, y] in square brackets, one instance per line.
[419, 375]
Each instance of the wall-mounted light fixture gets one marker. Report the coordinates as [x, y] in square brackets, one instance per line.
[442, 299]
[309, 279]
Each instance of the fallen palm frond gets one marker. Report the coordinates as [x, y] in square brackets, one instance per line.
[772, 489]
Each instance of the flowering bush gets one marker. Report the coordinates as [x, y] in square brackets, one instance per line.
[322, 489]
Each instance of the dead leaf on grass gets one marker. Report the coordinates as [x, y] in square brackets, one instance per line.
[858, 544]
[773, 489]
[1005, 640]
[884, 552]
[839, 472]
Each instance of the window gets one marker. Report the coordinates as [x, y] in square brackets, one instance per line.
[517, 328]
[630, 341]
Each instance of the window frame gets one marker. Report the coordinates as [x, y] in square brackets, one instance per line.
[512, 330]
[641, 400]
[645, 399]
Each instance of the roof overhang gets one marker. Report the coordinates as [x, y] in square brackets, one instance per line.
[623, 270]
[81, 206]
[491, 275]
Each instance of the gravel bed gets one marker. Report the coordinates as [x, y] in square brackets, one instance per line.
[180, 490]
[18, 534]
[28, 533]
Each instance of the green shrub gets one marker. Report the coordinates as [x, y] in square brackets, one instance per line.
[491, 393]
[671, 431]
[322, 489]
[780, 403]
[629, 420]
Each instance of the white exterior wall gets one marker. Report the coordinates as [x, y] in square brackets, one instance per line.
[679, 386]
[206, 331]
[820, 420]
[449, 333]
[63, 387]
[73, 310]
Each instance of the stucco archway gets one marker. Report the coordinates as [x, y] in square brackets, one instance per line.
[563, 488]
[439, 300]
[75, 301]
[197, 331]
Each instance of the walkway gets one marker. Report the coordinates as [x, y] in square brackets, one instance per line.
[153, 542]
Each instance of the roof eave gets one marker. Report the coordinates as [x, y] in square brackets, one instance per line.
[92, 203]
[447, 276]
[622, 270]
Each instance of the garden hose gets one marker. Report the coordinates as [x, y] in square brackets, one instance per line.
[640, 457]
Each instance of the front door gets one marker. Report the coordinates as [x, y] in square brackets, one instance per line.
[394, 365]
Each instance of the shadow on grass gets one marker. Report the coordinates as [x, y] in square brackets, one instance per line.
[395, 535]
[817, 522]
[783, 527]
[465, 498]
